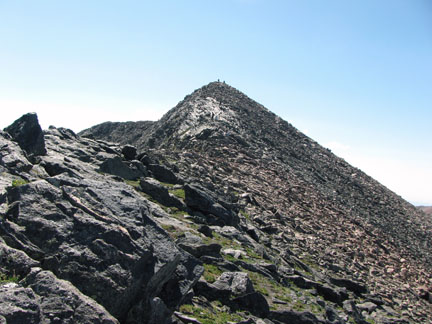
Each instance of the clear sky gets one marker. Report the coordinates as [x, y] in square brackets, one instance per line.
[356, 76]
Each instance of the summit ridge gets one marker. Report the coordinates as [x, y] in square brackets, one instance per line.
[322, 207]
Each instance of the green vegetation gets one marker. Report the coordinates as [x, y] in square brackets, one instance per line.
[211, 272]
[309, 261]
[285, 298]
[5, 278]
[260, 282]
[299, 306]
[246, 215]
[172, 231]
[225, 242]
[251, 253]
[211, 315]
[19, 182]
[166, 184]
[148, 197]
[133, 183]
[179, 193]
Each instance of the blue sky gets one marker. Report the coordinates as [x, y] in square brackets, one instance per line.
[355, 76]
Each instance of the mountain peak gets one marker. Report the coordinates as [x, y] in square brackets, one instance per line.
[304, 207]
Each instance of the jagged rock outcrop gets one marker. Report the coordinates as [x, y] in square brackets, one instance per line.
[299, 209]
[82, 244]
[27, 132]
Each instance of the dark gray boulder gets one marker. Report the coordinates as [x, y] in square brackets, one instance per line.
[334, 295]
[194, 245]
[28, 134]
[200, 199]
[163, 173]
[354, 286]
[253, 302]
[129, 152]
[160, 193]
[126, 170]
[211, 292]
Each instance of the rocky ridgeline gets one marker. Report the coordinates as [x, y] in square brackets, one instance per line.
[295, 198]
[220, 212]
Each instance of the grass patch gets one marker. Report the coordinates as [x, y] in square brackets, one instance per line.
[261, 283]
[166, 184]
[172, 231]
[5, 278]
[19, 182]
[177, 213]
[179, 193]
[251, 253]
[133, 183]
[211, 272]
[246, 215]
[299, 306]
[285, 298]
[310, 261]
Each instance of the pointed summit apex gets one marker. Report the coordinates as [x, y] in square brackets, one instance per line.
[218, 88]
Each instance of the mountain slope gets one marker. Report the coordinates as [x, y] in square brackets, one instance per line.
[426, 209]
[296, 196]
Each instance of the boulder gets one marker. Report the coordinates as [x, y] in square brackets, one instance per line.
[160, 193]
[59, 300]
[129, 152]
[199, 199]
[116, 166]
[237, 282]
[212, 292]
[367, 306]
[253, 302]
[27, 132]
[194, 245]
[354, 286]
[301, 281]
[162, 173]
[331, 294]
